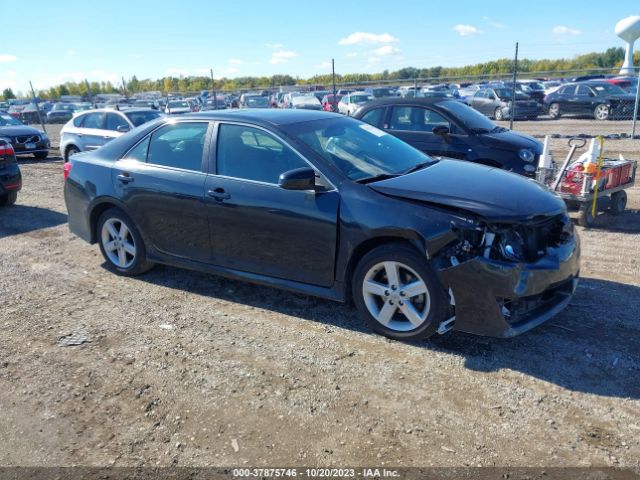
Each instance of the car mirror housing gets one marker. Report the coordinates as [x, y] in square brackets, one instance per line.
[122, 128]
[298, 179]
[441, 130]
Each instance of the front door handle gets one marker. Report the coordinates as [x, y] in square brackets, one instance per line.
[125, 178]
[219, 194]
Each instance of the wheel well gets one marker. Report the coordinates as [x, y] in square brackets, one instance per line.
[95, 215]
[488, 162]
[364, 248]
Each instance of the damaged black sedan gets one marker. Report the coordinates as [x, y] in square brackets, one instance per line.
[317, 203]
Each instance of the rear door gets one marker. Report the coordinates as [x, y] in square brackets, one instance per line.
[92, 133]
[162, 182]
[584, 100]
[567, 99]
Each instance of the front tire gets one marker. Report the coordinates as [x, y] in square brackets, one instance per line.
[397, 294]
[554, 111]
[498, 115]
[618, 203]
[121, 244]
[585, 216]
[601, 112]
[71, 150]
[8, 199]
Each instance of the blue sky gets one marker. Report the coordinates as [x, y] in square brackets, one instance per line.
[110, 39]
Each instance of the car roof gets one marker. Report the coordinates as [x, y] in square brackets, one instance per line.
[266, 116]
[406, 101]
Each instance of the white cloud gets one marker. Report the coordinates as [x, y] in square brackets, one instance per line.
[386, 50]
[236, 61]
[465, 30]
[364, 38]
[323, 65]
[5, 57]
[374, 60]
[275, 46]
[71, 52]
[493, 23]
[564, 30]
[281, 56]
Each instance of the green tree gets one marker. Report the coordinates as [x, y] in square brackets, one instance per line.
[8, 94]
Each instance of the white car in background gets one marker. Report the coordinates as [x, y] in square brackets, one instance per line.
[177, 107]
[352, 102]
[306, 102]
[91, 129]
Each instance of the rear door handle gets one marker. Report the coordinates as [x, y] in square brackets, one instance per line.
[219, 194]
[125, 178]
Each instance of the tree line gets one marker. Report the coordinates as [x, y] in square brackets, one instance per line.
[611, 58]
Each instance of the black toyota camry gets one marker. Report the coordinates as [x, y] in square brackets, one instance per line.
[322, 204]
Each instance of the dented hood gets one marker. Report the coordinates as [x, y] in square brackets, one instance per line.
[492, 193]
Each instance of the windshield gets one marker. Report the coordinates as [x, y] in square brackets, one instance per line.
[358, 149]
[381, 92]
[469, 117]
[608, 89]
[506, 93]
[360, 98]
[178, 104]
[138, 118]
[6, 120]
[532, 86]
[257, 101]
[65, 107]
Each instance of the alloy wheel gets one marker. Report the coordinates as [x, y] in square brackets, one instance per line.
[396, 296]
[602, 112]
[118, 243]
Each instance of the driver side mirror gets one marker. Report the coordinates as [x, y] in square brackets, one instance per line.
[441, 130]
[298, 179]
[122, 128]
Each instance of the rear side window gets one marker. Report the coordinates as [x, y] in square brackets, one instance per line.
[568, 90]
[93, 120]
[179, 145]
[374, 117]
[77, 122]
[139, 152]
[583, 90]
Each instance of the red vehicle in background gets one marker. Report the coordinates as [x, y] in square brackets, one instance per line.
[330, 103]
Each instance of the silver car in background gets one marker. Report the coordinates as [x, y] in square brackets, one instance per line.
[91, 129]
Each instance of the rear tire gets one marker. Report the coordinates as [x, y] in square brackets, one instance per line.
[121, 244]
[585, 217]
[498, 115]
[397, 294]
[8, 199]
[618, 203]
[70, 150]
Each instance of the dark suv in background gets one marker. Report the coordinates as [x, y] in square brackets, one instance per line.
[598, 99]
[10, 178]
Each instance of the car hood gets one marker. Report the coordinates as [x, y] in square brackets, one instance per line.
[18, 130]
[510, 140]
[494, 194]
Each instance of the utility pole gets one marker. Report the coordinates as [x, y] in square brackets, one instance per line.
[334, 103]
[86, 83]
[35, 101]
[513, 89]
[213, 87]
[635, 110]
[124, 88]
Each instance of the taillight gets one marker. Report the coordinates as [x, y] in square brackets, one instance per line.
[6, 149]
[66, 170]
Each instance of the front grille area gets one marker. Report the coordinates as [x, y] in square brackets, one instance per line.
[27, 139]
[548, 232]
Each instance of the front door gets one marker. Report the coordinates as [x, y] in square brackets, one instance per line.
[162, 182]
[415, 126]
[258, 227]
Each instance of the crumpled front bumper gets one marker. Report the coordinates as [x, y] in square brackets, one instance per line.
[501, 299]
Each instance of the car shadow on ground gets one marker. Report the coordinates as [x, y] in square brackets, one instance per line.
[19, 219]
[34, 161]
[590, 347]
[626, 222]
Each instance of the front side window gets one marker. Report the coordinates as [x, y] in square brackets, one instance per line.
[178, 145]
[114, 121]
[416, 119]
[93, 120]
[253, 154]
[138, 118]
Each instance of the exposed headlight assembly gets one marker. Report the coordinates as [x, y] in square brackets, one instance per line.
[526, 155]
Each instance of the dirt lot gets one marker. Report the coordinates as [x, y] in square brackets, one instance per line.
[190, 369]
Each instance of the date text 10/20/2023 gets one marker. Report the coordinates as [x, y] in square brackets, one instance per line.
[315, 472]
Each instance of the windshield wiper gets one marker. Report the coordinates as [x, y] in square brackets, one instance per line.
[375, 178]
[417, 167]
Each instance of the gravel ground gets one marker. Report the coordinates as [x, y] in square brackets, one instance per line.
[191, 369]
